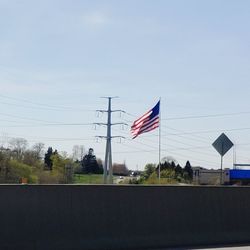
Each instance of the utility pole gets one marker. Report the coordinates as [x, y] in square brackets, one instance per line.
[108, 154]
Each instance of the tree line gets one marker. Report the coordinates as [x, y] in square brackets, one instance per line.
[36, 165]
[171, 173]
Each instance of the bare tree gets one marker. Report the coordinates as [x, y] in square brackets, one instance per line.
[64, 154]
[3, 140]
[18, 146]
[78, 152]
[82, 152]
[38, 149]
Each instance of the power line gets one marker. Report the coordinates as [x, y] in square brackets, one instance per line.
[202, 132]
[166, 144]
[207, 116]
[200, 138]
[26, 118]
[47, 125]
[191, 149]
[133, 151]
[210, 131]
[199, 116]
[44, 108]
[130, 114]
[173, 149]
[187, 157]
[55, 107]
[50, 138]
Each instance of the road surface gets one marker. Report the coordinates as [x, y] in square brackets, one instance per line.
[212, 248]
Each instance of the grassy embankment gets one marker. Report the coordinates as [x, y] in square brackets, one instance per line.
[88, 179]
[91, 179]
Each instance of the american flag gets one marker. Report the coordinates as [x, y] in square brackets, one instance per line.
[147, 122]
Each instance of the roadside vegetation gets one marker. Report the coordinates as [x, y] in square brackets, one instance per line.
[171, 173]
[88, 179]
[35, 165]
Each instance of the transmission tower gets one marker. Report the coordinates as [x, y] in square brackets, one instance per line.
[108, 154]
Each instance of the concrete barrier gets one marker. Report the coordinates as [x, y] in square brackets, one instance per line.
[122, 217]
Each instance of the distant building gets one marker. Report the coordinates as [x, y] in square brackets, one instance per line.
[240, 176]
[202, 176]
[120, 169]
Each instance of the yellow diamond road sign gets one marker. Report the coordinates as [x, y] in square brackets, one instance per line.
[222, 144]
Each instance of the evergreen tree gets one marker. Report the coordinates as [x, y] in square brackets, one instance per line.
[166, 166]
[178, 170]
[188, 170]
[90, 164]
[47, 159]
[173, 166]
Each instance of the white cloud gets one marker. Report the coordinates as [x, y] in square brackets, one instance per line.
[95, 18]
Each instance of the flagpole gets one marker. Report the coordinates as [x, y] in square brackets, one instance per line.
[159, 169]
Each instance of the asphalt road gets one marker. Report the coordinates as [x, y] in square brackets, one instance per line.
[213, 248]
[227, 248]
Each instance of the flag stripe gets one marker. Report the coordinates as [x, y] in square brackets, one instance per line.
[143, 117]
[147, 130]
[143, 123]
[147, 125]
[153, 125]
[147, 122]
[150, 129]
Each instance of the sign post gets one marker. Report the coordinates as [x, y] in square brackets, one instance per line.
[222, 144]
[221, 170]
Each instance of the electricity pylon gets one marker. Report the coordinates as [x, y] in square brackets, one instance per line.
[108, 154]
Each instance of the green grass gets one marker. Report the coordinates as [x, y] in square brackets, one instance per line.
[88, 179]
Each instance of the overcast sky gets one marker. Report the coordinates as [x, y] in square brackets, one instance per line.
[57, 58]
